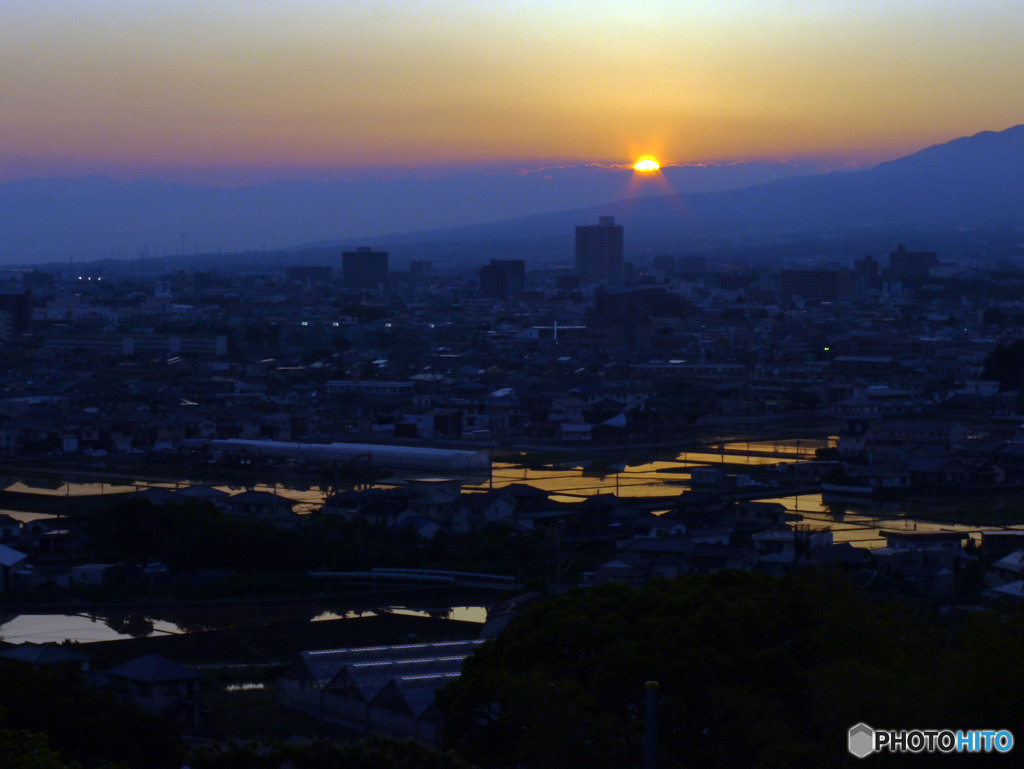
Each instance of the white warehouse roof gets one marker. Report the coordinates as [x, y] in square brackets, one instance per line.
[395, 457]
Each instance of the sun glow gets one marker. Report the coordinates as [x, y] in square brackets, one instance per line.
[646, 164]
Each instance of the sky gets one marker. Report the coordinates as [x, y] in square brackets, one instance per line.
[220, 91]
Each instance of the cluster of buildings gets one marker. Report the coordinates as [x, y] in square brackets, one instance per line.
[597, 350]
[349, 359]
[386, 689]
[151, 681]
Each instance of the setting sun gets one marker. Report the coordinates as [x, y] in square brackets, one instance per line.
[646, 164]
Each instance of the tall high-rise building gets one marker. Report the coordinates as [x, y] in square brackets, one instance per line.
[910, 266]
[419, 269]
[503, 278]
[810, 285]
[364, 269]
[866, 275]
[310, 274]
[599, 252]
[19, 306]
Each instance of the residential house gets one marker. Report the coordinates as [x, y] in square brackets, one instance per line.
[46, 655]
[10, 559]
[998, 543]
[159, 686]
[923, 560]
[262, 505]
[649, 525]
[474, 511]
[899, 438]
[10, 529]
[567, 409]
[201, 493]
[707, 558]
[788, 546]
[1009, 568]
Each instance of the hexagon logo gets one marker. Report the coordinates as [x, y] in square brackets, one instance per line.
[860, 740]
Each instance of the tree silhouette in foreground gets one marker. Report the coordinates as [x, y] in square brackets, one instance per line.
[754, 671]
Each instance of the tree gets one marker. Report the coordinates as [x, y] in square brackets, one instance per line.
[1006, 364]
[375, 752]
[29, 750]
[54, 712]
[993, 316]
[754, 671]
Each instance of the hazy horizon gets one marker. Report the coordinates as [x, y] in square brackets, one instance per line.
[95, 216]
[966, 182]
[255, 176]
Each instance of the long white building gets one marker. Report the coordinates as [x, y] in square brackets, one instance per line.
[377, 455]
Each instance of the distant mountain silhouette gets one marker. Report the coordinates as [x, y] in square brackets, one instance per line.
[95, 216]
[972, 182]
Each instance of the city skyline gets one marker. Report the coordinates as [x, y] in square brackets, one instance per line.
[227, 94]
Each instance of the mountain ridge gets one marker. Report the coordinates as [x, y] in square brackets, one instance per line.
[969, 182]
[980, 187]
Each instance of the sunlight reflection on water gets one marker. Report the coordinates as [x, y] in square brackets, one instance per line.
[56, 628]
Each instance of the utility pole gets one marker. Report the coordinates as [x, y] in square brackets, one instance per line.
[490, 443]
[651, 725]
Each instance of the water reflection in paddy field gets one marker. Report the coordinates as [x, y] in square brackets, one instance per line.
[861, 524]
[24, 517]
[309, 499]
[858, 523]
[477, 614]
[584, 482]
[636, 477]
[630, 475]
[80, 628]
[73, 488]
[639, 478]
[795, 448]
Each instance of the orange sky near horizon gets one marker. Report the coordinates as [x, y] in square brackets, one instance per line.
[316, 84]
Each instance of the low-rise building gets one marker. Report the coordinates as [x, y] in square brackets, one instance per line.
[385, 689]
[160, 686]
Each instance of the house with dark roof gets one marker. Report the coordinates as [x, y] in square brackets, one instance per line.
[998, 543]
[159, 686]
[473, 511]
[201, 493]
[46, 655]
[264, 505]
[157, 495]
[10, 529]
[10, 559]
[1009, 568]
[923, 560]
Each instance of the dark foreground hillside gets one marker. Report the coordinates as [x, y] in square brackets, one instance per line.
[754, 671]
